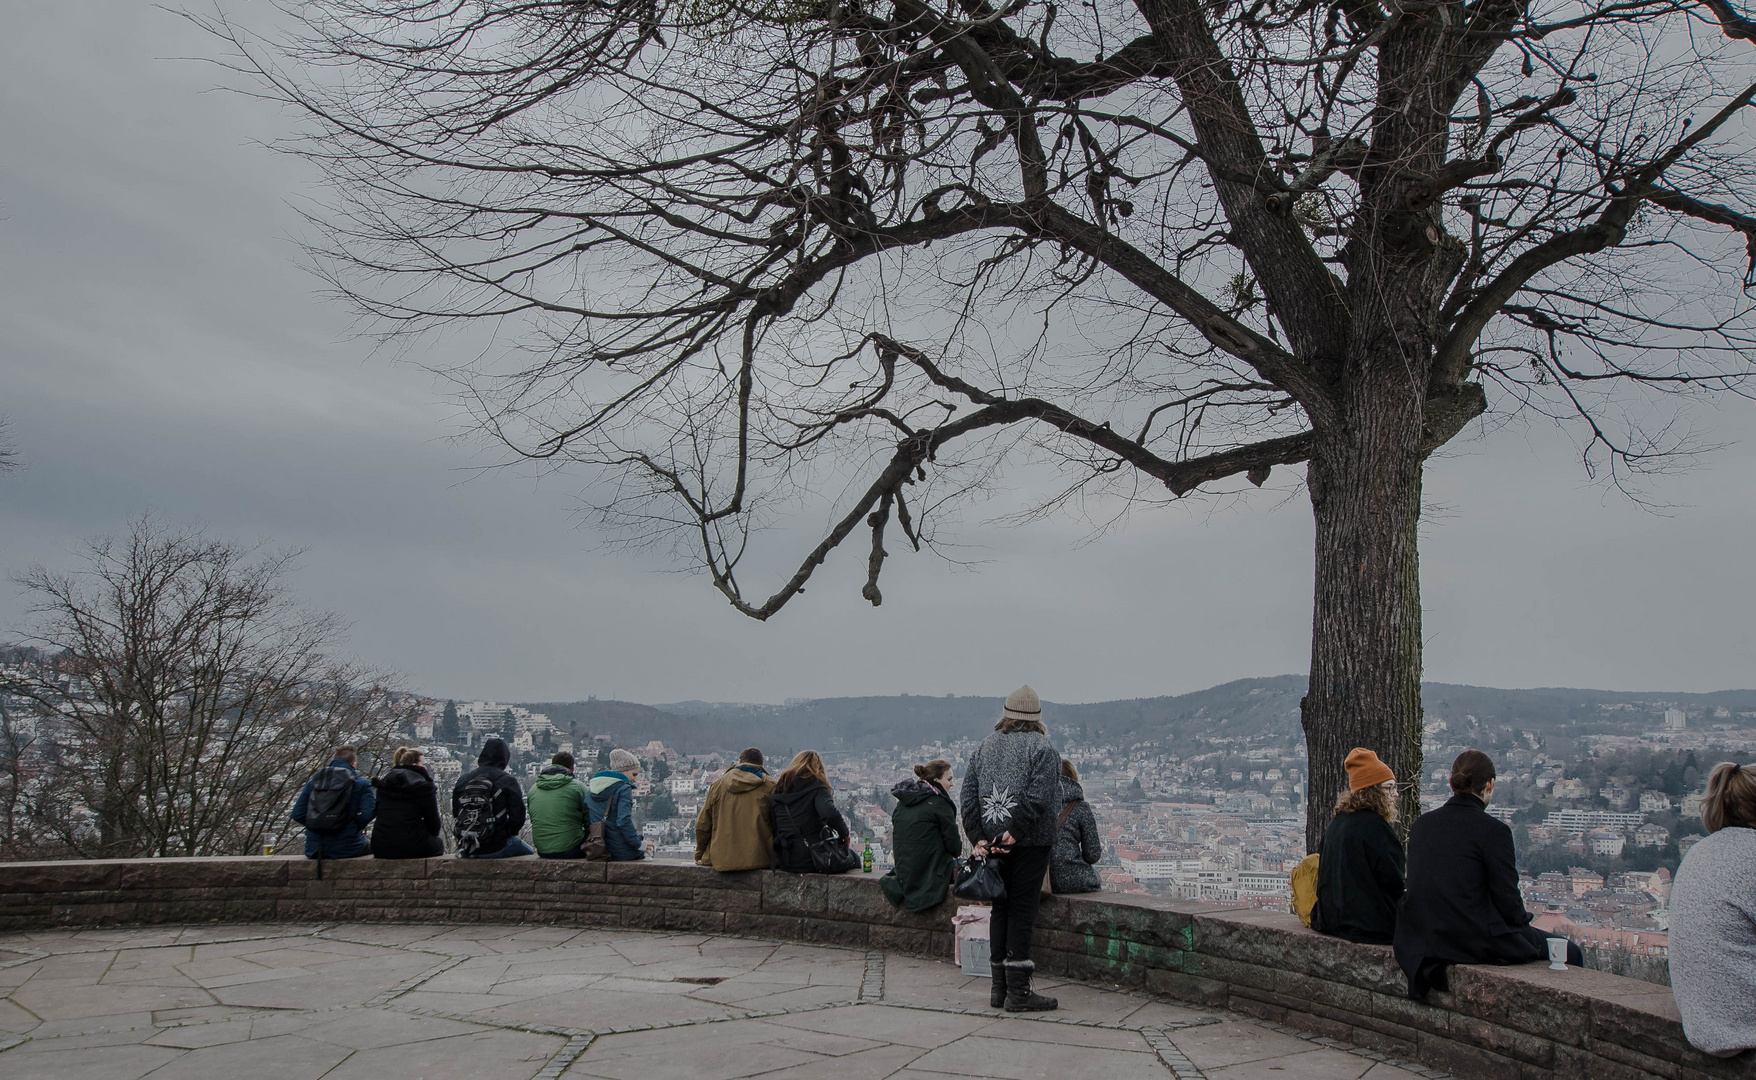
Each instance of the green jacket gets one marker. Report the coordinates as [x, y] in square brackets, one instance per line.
[557, 811]
[924, 838]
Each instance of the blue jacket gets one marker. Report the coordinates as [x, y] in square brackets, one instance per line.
[620, 835]
[351, 840]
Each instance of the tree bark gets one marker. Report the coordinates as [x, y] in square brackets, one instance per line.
[1365, 487]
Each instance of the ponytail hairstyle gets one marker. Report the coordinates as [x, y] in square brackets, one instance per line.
[1730, 799]
[1471, 772]
[406, 755]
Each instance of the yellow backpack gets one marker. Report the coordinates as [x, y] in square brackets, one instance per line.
[1304, 884]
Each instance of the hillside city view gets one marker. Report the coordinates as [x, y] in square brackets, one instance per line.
[1197, 797]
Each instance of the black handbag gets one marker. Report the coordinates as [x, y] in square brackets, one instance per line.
[829, 854]
[978, 879]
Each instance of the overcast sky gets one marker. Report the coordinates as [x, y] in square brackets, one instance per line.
[162, 350]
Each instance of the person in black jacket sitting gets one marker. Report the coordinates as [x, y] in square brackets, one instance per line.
[803, 806]
[1462, 904]
[1360, 869]
[407, 825]
[487, 808]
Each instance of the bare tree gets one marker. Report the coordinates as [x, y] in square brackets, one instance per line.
[755, 248]
[181, 700]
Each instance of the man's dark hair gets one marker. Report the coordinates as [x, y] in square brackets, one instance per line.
[752, 756]
[1471, 772]
[563, 759]
[347, 754]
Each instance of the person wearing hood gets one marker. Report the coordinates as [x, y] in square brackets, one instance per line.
[558, 816]
[335, 806]
[610, 799]
[1011, 799]
[407, 822]
[1077, 844]
[487, 807]
[923, 831]
[735, 829]
[804, 807]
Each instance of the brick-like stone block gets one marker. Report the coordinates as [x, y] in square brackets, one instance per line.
[1487, 994]
[794, 894]
[1468, 1062]
[48, 877]
[935, 944]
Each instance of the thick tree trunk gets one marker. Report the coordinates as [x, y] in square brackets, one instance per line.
[1365, 488]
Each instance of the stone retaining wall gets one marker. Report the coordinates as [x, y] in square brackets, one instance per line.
[1520, 1023]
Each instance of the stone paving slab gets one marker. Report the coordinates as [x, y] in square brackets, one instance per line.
[448, 1002]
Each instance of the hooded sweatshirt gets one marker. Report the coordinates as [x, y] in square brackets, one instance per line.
[1013, 784]
[557, 811]
[734, 830]
[611, 793]
[508, 796]
[924, 831]
[1077, 846]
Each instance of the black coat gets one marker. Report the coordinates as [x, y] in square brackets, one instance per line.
[800, 815]
[1461, 905]
[407, 825]
[508, 795]
[1359, 879]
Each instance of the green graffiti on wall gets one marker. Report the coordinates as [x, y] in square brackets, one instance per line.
[1125, 956]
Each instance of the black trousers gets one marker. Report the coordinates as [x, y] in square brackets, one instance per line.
[1015, 917]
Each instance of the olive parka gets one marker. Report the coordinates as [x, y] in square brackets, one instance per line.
[925, 842]
[735, 829]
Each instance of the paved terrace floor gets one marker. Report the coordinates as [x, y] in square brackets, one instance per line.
[429, 1002]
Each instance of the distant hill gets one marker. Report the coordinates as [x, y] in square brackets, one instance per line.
[1265, 708]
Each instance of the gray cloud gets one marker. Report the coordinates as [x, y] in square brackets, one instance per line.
[162, 350]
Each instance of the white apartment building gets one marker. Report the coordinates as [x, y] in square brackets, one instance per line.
[1654, 802]
[1675, 720]
[1578, 821]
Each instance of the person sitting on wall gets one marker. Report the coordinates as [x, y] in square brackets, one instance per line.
[610, 799]
[558, 816]
[1361, 866]
[487, 808]
[1461, 904]
[734, 830]
[1713, 919]
[1078, 847]
[804, 810]
[407, 825]
[923, 828]
[335, 806]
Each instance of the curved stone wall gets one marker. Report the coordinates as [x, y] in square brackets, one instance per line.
[1520, 1023]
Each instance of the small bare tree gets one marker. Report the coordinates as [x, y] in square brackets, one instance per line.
[180, 701]
[848, 254]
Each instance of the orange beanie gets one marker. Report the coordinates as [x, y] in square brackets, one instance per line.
[1364, 769]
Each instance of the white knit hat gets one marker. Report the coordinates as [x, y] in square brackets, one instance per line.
[623, 762]
[1022, 704]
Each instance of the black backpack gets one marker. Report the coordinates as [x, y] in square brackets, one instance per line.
[478, 817]
[330, 807]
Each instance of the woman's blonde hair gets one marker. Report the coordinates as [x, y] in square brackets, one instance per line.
[933, 770]
[806, 764]
[1069, 771]
[1730, 798]
[1373, 798]
[406, 755]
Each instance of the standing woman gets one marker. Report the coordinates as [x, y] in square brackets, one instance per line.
[924, 836]
[804, 805]
[1361, 868]
[1077, 844]
[1713, 919]
[1011, 798]
[407, 825]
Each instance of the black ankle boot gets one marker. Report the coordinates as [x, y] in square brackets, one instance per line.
[997, 995]
[1019, 997]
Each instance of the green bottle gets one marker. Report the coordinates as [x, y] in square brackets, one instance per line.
[866, 859]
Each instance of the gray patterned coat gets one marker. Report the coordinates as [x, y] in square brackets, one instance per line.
[1012, 784]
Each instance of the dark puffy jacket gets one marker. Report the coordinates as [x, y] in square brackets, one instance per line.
[508, 795]
[1359, 879]
[611, 792]
[1078, 847]
[350, 842]
[924, 835]
[1461, 905]
[407, 825]
[800, 815]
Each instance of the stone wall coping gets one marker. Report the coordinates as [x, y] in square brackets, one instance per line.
[1521, 1022]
